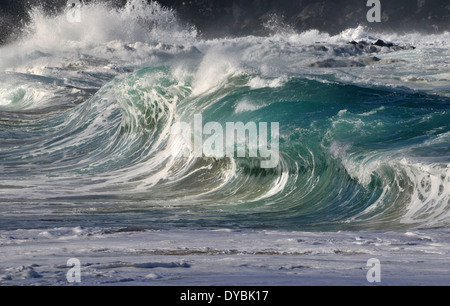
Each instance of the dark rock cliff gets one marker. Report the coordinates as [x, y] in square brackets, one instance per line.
[216, 18]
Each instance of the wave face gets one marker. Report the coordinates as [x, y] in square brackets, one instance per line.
[86, 111]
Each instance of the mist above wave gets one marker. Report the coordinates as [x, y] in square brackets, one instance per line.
[241, 17]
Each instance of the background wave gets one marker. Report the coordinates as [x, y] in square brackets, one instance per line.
[219, 18]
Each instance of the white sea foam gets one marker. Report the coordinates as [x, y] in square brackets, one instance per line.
[101, 43]
[225, 258]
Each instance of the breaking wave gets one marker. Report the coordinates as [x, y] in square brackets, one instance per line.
[86, 111]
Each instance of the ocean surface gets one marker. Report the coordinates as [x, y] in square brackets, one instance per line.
[89, 167]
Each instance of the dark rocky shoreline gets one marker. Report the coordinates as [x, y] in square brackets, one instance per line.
[217, 18]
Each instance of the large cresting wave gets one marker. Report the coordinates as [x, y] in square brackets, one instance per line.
[86, 111]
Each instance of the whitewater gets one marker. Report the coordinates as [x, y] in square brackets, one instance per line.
[89, 168]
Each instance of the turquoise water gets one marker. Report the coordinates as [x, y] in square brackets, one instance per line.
[85, 131]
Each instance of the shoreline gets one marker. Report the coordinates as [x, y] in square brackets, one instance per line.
[224, 258]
